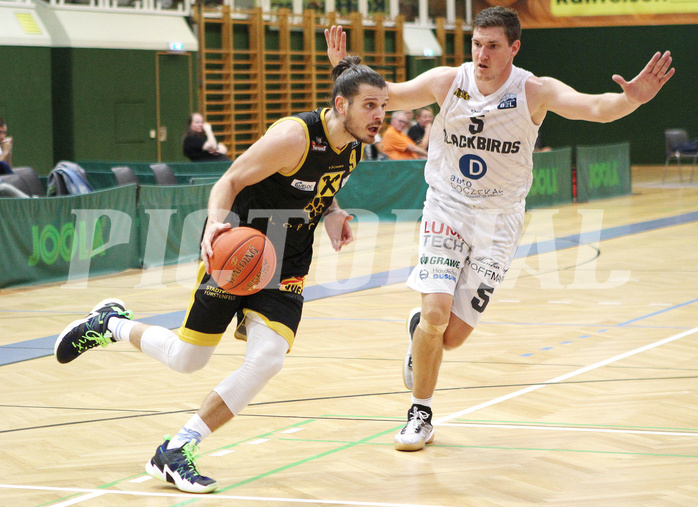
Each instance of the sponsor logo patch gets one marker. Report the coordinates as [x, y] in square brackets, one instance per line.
[508, 101]
[307, 186]
[318, 145]
[461, 94]
[294, 284]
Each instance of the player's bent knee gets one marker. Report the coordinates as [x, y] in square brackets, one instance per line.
[430, 328]
[190, 358]
[165, 346]
[266, 350]
[264, 358]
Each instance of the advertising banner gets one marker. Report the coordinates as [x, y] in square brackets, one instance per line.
[603, 171]
[68, 238]
[552, 178]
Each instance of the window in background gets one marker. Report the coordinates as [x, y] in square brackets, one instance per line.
[460, 10]
[378, 7]
[437, 9]
[346, 6]
[315, 5]
[409, 9]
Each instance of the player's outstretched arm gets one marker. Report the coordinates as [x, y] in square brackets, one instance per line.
[426, 89]
[548, 94]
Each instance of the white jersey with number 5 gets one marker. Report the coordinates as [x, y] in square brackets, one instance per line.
[480, 147]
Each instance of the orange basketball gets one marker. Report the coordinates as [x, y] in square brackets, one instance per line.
[243, 261]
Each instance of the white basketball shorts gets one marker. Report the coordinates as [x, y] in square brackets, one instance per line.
[465, 254]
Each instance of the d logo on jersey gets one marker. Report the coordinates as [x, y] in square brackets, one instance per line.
[472, 166]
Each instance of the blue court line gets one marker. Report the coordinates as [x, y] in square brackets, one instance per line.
[593, 237]
[622, 324]
[41, 347]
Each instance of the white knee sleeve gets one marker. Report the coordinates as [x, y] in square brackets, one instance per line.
[165, 346]
[264, 357]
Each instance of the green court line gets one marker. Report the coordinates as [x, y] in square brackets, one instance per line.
[583, 451]
[119, 481]
[529, 423]
[367, 441]
[311, 458]
[572, 425]
[454, 446]
[501, 448]
[263, 435]
[294, 464]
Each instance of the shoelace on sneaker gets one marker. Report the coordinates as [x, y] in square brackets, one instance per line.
[417, 419]
[90, 337]
[128, 314]
[190, 453]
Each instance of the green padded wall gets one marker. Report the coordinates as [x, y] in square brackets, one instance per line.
[25, 104]
[104, 104]
[586, 58]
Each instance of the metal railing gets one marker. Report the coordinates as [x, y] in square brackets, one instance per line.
[389, 8]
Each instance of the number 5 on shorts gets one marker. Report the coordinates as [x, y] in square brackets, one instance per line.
[480, 301]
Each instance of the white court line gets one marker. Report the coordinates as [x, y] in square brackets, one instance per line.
[223, 452]
[138, 480]
[293, 430]
[257, 442]
[566, 376]
[567, 428]
[80, 499]
[216, 497]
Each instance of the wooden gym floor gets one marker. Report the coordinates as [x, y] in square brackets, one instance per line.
[577, 388]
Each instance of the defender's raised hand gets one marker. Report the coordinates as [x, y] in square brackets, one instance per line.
[647, 83]
[336, 44]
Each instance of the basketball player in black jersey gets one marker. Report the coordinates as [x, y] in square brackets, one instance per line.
[282, 185]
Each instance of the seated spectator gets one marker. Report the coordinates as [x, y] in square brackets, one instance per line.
[410, 121]
[199, 144]
[419, 132]
[5, 149]
[396, 144]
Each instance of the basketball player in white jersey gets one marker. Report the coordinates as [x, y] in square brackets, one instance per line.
[479, 172]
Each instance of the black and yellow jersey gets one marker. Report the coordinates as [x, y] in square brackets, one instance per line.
[292, 204]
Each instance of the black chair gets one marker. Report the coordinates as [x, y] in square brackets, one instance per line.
[163, 174]
[679, 147]
[31, 178]
[12, 185]
[124, 176]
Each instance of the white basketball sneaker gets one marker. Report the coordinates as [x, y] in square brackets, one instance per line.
[417, 432]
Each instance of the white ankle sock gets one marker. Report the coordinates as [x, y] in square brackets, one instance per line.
[195, 429]
[417, 401]
[120, 328]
